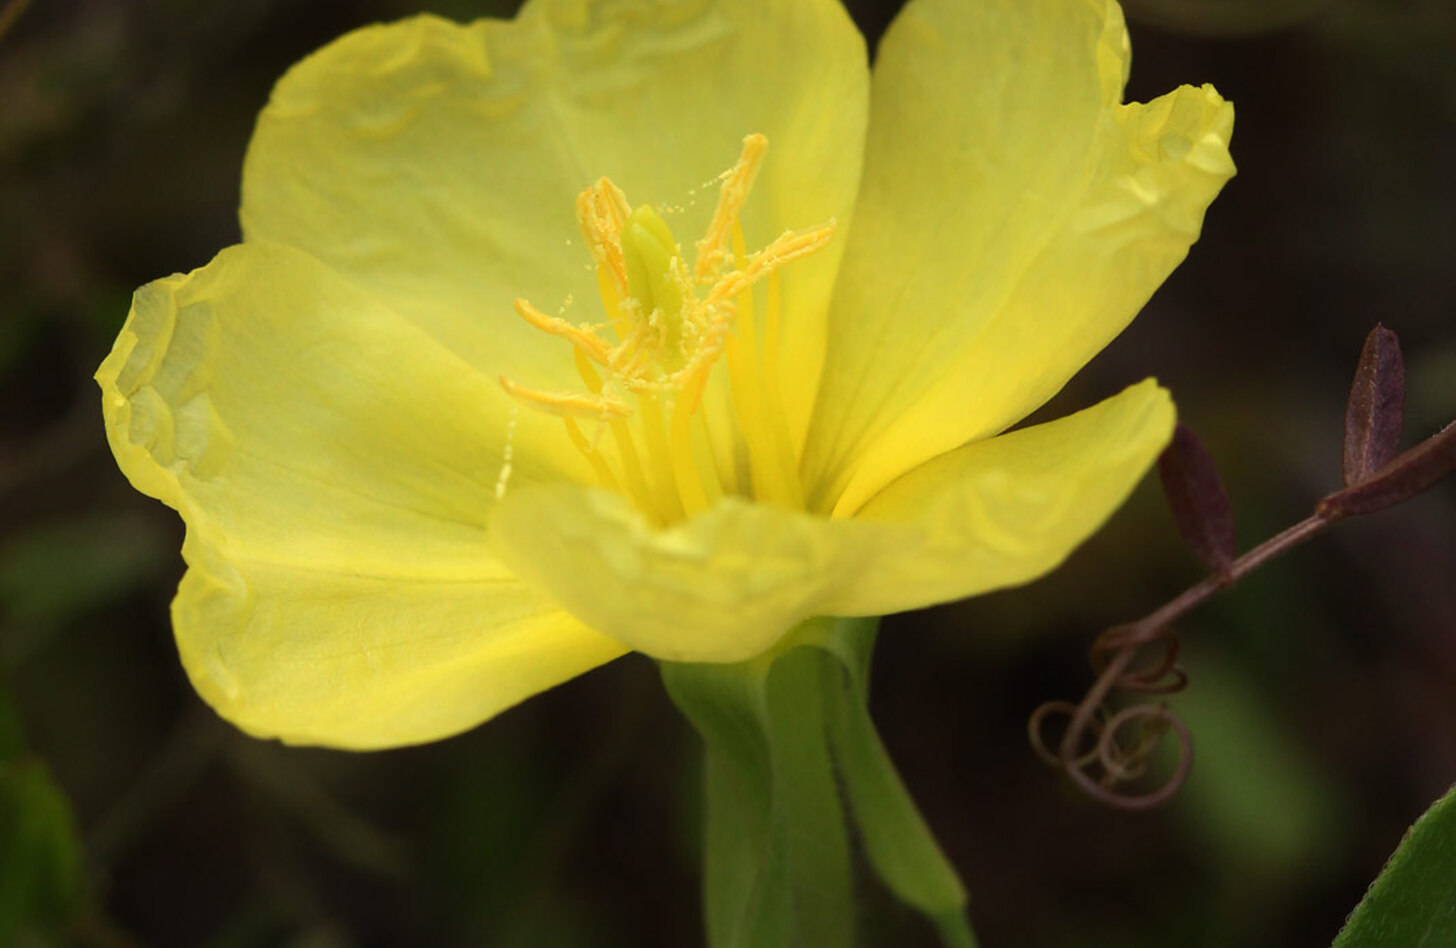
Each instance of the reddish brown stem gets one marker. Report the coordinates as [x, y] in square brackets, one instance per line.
[1128, 640]
[1376, 477]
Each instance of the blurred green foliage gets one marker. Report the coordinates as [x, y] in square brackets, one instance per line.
[57, 572]
[40, 857]
[1321, 698]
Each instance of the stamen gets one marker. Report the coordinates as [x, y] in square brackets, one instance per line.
[631, 467]
[737, 182]
[786, 248]
[659, 458]
[667, 341]
[567, 404]
[611, 301]
[715, 423]
[584, 337]
[697, 481]
[601, 210]
[772, 321]
[771, 329]
[593, 456]
[772, 480]
[705, 460]
[587, 371]
[621, 434]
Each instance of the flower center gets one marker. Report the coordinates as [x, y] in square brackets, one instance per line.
[648, 371]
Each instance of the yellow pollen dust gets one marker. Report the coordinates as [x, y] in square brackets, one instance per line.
[646, 371]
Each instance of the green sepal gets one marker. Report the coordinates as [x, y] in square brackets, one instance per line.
[896, 839]
[1412, 903]
[786, 736]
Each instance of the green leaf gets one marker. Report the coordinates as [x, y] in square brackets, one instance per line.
[40, 862]
[1412, 904]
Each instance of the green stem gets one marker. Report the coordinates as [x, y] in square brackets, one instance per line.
[776, 859]
[787, 736]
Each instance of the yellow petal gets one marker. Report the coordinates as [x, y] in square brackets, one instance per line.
[345, 659]
[436, 164]
[1009, 509]
[1006, 231]
[332, 463]
[726, 585]
[264, 373]
[720, 587]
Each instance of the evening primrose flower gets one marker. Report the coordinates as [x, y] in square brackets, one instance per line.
[510, 376]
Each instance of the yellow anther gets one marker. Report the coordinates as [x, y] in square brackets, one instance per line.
[787, 248]
[568, 404]
[737, 183]
[584, 337]
[601, 212]
[667, 341]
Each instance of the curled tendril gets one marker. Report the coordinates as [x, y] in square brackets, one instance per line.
[1376, 476]
[1161, 677]
[1039, 746]
[1096, 738]
[1123, 765]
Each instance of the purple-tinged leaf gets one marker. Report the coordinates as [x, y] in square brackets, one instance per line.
[1197, 497]
[1411, 473]
[1377, 407]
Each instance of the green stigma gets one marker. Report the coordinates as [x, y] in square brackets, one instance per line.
[649, 251]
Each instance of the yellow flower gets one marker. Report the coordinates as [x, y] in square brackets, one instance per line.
[408, 507]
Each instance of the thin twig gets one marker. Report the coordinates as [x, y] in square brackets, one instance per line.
[1375, 477]
[1118, 765]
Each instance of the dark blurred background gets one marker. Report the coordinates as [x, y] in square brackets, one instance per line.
[1323, 696]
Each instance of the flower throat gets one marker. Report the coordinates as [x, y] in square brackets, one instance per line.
[647, 369]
